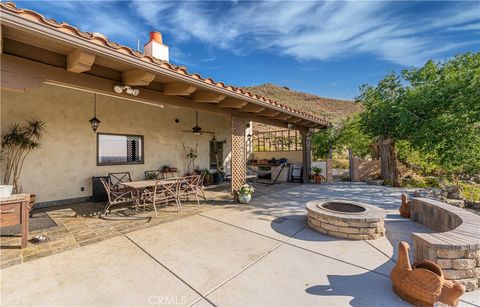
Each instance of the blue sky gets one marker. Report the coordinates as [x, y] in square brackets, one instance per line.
[326, 48]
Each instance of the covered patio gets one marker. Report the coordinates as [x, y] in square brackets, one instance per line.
[55, 73]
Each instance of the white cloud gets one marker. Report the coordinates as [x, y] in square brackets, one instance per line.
[306, 30]
[314, 30]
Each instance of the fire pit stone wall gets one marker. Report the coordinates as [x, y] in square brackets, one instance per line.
[357, 221]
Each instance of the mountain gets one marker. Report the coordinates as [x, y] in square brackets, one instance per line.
[333, 109]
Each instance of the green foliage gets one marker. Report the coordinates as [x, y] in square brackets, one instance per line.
[246, 190]
[322, 141]
[346, 134]
[441, 111]
[17, 142]
[316, 170]
[416, 159]
[470, 191]
[380, 116]
[435, 109]
[352, 136]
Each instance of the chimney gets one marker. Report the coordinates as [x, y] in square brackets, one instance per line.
[155, 47]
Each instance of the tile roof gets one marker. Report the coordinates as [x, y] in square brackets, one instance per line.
[102, 40]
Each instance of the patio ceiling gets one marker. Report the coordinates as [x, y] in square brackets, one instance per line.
[36, 50]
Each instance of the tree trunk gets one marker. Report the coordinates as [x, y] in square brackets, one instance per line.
[388, 158]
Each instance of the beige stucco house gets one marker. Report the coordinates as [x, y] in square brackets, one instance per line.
[56, 73]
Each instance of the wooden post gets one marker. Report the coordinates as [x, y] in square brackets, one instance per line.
[307, 154]
[238, 160]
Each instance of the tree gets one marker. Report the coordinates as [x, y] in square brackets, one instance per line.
[17, 142]
[347, 134]
[434, 108]
[380, 119]
[441, 112]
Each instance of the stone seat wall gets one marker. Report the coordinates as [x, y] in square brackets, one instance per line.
[455, 245]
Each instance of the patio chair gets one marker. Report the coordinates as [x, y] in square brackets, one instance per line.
[164, 192]
[191, 185]
[117, 197]
[116, 181]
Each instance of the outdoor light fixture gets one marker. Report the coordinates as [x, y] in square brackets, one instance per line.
[249, 136]
[94, 121]
[289, 126]
[129, 90]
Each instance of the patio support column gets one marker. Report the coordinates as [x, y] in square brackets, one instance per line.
[238, 160]
[307, 154]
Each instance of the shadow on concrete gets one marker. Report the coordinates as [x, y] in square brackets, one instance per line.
[366, 289]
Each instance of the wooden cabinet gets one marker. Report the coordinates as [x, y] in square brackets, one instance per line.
[14, 211]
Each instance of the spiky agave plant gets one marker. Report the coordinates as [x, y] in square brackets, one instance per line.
[17, 142]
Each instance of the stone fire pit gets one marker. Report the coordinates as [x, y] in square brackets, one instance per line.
[346, 219]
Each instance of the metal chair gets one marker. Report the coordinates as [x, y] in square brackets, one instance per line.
[164, 192]
[116, 197]
[116, 181]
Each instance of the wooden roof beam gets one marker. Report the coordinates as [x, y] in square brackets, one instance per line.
[137, 77]
[304, 122]
[178, 89]
[232, 103]
[255, 108]
[206, 96]
[79, 61]
[295, 120]
[269, 113]
[283, 116]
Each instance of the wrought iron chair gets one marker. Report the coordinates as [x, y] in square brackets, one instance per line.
[116, 181]
[191, 185]
[117, 197]
[164, 192]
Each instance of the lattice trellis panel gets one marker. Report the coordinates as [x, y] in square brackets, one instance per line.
[238, 160]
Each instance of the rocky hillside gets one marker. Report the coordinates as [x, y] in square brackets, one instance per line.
[332, 109]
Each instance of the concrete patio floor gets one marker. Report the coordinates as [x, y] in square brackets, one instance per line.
[261, 254]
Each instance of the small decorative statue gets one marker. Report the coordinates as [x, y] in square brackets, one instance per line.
[423, 284]
[405, 207]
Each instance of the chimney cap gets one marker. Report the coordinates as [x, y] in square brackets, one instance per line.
[156, 36]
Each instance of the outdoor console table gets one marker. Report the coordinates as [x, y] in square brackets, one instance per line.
[14, 211]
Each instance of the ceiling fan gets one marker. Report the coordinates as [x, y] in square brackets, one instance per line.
[197, 130]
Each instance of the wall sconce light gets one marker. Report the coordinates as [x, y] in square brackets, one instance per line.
[289, 126]
[94, 122]
[129, 90]
[248, 125]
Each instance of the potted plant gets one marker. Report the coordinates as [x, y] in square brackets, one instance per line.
[317, 177]
[218, 176]
[245, 194]
[17, 142]
[207, 178]
[190, 155]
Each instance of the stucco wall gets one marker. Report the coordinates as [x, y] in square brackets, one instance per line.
[294, 157]
[67, 159]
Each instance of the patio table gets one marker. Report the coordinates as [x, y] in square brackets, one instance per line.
[140, 185]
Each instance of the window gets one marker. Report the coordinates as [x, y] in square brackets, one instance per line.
[216, 154]
[115, 149]
[284, 140]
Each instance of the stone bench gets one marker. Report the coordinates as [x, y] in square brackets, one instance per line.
[455, 245]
